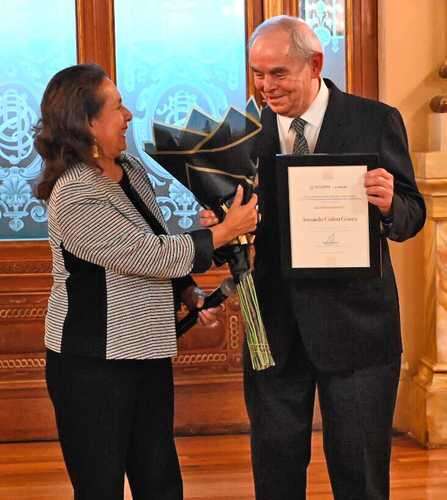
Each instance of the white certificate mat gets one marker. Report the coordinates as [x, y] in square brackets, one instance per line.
[328, 211]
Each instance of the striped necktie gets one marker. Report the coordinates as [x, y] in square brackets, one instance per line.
[300, 146]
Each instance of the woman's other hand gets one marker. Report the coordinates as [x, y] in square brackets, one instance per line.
[207, 218]
[194, 297]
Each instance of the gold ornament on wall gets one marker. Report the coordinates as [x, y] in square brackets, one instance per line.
[438, 104]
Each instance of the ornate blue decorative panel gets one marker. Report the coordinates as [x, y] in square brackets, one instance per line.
[37, 39]
[173, 55]
[327, 18]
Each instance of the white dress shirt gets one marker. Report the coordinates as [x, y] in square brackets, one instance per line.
[314, 118]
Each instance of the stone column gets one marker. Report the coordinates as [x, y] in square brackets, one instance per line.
[429, 385]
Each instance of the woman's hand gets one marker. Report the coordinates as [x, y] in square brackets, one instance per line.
[207, 218]
[194, 297]
[240, 219]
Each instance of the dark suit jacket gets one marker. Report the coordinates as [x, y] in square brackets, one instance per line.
[344, 324]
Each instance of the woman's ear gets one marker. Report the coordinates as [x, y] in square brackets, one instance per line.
[91, 125]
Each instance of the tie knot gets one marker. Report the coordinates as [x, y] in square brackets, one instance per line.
[298, 125]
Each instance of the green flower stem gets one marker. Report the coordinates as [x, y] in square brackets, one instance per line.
[258, 346]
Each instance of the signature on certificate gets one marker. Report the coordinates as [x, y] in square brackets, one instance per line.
[330, 240]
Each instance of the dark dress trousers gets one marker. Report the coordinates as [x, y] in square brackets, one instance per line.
[342, 336]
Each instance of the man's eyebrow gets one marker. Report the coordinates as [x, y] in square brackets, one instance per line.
[276, 69]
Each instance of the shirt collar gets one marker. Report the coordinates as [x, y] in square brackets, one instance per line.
[315, 113]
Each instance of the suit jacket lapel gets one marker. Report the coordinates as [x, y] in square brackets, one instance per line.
[270, 134]
[331, 138]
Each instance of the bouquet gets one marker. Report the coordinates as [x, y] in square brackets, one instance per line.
[211, 159]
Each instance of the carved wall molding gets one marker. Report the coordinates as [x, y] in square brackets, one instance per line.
[234, 327]
[23, 312]
[22, 363]
[25, 267]
[199, 358]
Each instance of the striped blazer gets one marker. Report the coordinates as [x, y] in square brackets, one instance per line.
[112, 294]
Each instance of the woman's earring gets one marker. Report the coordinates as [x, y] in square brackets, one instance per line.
[95, 151]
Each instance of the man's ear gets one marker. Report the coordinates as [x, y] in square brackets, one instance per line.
[316, 64]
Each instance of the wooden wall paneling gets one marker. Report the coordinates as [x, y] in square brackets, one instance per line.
[362, 48]
[278, 7]
[208, 373]
[25, 281]
[96, 33]
[254, 15]
[291, 7]
[26, 413]
[208, 370]
[273, 8]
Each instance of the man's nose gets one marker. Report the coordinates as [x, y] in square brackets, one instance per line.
[269, 83]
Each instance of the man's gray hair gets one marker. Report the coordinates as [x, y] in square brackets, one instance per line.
[304, 41]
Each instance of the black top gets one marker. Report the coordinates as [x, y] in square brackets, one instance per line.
[138, 203]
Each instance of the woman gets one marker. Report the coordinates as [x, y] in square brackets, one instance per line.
[110, 327]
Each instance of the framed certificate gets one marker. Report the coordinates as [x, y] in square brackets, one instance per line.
[327, 227]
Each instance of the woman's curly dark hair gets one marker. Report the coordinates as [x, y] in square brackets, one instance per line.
[62, 136]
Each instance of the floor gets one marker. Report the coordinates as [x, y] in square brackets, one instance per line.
[218, 467]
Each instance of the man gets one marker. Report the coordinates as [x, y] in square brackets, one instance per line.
[340, 336]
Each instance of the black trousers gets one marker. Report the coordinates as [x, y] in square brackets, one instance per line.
[115, 417]
[357, 411]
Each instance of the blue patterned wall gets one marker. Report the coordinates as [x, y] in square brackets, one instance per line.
[37, 39]
[327, 18]
[173, 55]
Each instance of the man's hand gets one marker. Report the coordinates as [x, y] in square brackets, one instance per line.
[380, 189]
[193, 297]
